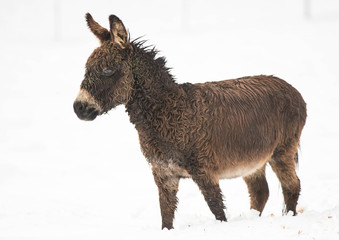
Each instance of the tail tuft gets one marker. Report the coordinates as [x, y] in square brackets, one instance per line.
[296, 159]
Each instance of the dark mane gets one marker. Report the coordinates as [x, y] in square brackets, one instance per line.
[147, 56]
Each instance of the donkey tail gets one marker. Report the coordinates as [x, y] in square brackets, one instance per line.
[296, 159]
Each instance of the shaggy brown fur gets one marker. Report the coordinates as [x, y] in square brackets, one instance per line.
[206, 131]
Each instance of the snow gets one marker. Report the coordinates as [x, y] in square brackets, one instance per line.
[62, 178]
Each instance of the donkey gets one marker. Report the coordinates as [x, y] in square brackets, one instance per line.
[205, 131]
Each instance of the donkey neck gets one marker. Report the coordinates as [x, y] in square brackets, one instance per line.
[150, 74]
[154, 87]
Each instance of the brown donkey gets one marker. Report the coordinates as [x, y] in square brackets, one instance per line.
[206, 132]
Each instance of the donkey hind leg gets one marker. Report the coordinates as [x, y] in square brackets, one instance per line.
[212, 194]
[168, 187]
[258, 189]
[283, 164]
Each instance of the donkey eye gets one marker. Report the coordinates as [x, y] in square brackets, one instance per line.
[108, 72]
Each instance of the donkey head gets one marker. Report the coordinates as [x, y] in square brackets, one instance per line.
[108, 78]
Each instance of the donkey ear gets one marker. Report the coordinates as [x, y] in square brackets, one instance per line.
[118, 32]
[100, 32]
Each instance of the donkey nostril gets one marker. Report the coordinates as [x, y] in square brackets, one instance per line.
[79, 106]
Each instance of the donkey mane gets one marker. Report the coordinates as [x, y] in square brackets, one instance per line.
[146, 57]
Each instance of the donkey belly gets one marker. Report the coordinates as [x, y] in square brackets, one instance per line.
[244, 149]
[244, 156]
[242, 168]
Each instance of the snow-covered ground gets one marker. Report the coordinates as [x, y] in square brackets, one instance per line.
[62, 178]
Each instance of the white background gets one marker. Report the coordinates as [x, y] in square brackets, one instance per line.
[62, 178]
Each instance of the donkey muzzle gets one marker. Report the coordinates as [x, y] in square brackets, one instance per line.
[85, 111]
[85, 106]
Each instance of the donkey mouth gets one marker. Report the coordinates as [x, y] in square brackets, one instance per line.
[85, 111]
[91, 115]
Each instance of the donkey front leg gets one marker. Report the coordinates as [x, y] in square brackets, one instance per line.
[212, 193]
[167, 184]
